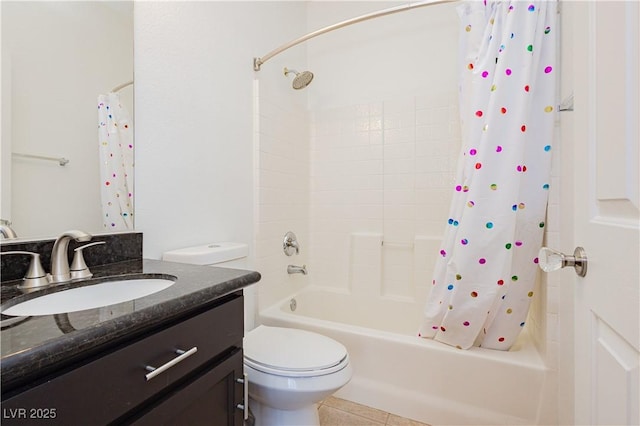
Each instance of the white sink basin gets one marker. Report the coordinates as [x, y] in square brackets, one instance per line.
[88, 297]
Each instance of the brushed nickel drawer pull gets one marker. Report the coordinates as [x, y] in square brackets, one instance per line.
[244, 381]
[182, 355]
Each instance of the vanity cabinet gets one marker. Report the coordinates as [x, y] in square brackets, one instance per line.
[203, 351]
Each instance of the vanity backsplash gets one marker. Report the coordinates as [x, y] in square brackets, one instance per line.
[119, 247]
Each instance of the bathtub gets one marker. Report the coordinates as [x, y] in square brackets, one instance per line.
[421, 379]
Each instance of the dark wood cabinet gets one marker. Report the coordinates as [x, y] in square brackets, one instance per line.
[199, 388]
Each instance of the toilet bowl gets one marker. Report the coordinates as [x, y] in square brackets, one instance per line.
[289, 372]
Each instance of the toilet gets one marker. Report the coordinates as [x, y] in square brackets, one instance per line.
[289, 370]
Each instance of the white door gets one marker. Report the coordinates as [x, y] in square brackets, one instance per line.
[606, 210]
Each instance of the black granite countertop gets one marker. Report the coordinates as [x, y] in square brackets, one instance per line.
[32, 347]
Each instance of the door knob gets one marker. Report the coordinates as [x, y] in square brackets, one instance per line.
[551, 260]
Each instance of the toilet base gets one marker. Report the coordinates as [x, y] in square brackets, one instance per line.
[268, 416]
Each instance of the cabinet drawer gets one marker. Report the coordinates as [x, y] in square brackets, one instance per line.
[108, 387]
[210, 399]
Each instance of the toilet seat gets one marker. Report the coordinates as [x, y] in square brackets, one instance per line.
[292, 352]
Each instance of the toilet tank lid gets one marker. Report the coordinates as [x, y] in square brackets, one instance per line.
[208, 254]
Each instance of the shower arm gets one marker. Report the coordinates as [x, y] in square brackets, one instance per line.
[258, 61]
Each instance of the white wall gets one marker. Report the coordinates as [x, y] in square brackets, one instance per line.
[386, 168]
[57, 57]
[385, 141]
[194, 106]
[396, 56]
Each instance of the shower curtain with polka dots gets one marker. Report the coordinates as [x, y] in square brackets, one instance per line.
[487, 266]
[115, 138]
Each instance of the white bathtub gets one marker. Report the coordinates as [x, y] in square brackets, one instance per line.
[417, 378]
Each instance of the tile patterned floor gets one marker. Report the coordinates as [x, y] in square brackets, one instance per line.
[339, 412]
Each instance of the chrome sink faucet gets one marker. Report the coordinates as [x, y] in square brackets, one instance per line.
[59, 257]
[6, 231]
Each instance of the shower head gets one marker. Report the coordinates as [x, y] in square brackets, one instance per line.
[301, 80]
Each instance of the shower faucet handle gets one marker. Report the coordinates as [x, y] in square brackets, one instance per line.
[290, 244]
[35, 277]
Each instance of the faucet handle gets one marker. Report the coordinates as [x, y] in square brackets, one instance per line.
[79, 268]
[290, 244]
[35, 276]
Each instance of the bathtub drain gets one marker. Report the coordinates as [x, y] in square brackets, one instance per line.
[293, 305]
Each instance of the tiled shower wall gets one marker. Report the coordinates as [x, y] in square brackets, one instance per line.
[382, 169]
[281, 144]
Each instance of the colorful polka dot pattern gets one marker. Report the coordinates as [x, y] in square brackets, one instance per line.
[115, 135]
[486, 270]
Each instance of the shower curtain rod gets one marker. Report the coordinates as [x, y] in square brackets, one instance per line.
[258, 61]
[60, 160]
[121, 86]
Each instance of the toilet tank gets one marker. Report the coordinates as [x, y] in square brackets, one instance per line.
[224, 254]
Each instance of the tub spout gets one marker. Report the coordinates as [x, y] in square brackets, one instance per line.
[293, 269]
